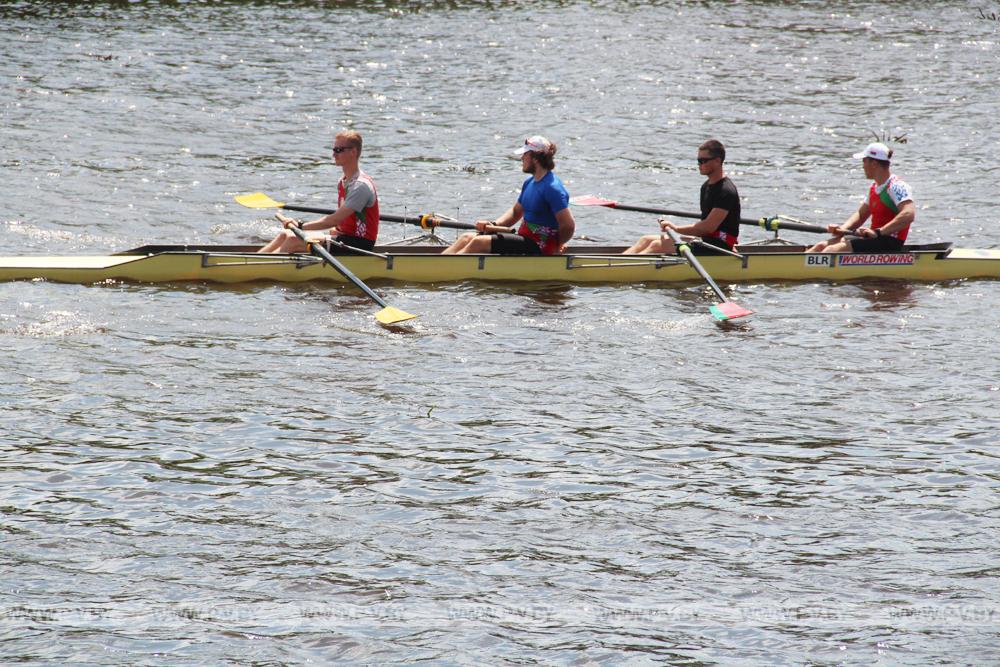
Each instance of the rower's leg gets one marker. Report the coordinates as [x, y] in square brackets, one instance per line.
[640, 245]
[277, 242]
[659, 246]
[292, 243]
[819, 247]
[480, 244]
[459, 243]
[841, 245]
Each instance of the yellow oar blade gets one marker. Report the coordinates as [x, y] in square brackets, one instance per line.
[390, 315]
[257, 200]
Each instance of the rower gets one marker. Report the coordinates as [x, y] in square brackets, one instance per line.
[889, 204]
[543, 204]
[719, 226]
[355, 222]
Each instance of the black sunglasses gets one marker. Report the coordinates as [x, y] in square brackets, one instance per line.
[703, 160]
[340, 149]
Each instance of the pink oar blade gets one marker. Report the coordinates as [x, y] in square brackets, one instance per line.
[729, 311]
[592, 200]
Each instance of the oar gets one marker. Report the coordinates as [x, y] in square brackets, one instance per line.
[770, 224]
[388, 314]
[261, 200]
[726, 310]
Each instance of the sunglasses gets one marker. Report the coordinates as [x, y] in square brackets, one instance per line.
[703, 160]
[340, 149]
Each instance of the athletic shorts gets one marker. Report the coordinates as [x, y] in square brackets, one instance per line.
[877, 244]
[513, 244]
[352, 241]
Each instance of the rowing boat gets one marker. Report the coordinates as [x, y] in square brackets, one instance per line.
[425, 264]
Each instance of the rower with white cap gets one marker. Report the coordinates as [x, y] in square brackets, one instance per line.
[889, 204]
[543, 204]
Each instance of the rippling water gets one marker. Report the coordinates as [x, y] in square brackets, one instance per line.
[536, 474]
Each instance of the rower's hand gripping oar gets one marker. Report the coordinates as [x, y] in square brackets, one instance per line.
[725, 310]
[388, 314]
[771, 224]
[261, 200]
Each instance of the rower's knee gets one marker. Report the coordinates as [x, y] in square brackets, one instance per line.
[459, 243]
[479, 244]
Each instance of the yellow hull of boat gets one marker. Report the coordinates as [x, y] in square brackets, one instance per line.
[222, 264]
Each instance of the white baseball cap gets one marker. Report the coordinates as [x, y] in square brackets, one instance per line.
[535, 144]
[876, 151]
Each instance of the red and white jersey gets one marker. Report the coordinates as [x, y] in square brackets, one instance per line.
[360, 194]
[884, 201]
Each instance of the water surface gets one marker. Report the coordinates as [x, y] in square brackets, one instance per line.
[535, 474]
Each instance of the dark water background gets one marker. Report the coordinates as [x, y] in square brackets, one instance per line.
[534, 474]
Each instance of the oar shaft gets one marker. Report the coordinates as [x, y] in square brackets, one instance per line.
[344, 271]
[695, 264]
[425, 221]
[770, 224]
[724, 310]
[679, 214]
[308, 209]
[774, 224]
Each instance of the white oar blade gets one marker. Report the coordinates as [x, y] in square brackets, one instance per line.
[257, 200]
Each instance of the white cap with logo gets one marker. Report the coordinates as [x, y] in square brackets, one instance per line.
[535, 144]
[876, 151]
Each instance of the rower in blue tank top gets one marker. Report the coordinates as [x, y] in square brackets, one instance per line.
[543, 206]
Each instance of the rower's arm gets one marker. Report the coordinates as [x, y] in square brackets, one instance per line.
[853, 221]
[510, 216]
[567, 225]
[328, 221]
[503, 223]
[706, 226]
[907, 214]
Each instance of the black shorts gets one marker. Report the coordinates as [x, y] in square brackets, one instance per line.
[513, 244]
[352, 241]
[701, 249]
[877, 244]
